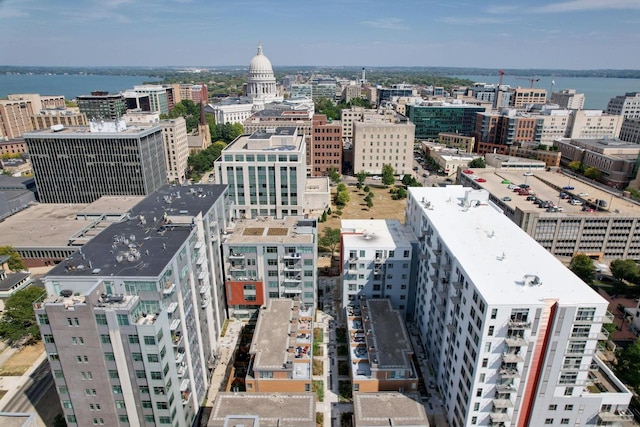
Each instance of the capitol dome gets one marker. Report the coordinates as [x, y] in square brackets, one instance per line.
[261, 82]
[260, 64]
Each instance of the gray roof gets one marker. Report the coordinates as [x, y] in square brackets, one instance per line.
[271, 409]
[389, 335]
[12, 280]
[389, 408]
[156, 227]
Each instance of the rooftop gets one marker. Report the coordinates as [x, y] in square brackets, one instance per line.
[317, 184]
[271, 344]
[270, 230]
[271, 410]
[389, 409]
[85, 132]
[52, 225]
[498, 257]
[389, 335]
[143, 242]
[376, 233]
[12, 280]
[281, 138]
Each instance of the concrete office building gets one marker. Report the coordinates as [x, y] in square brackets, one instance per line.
[511, 334]
[80, 164]
[556, 123]
[433, 118]
[498, 96]
[568, 98]
[266, 259]
[325, 148]
[265, 173]
[231, 110]
[40, 102]
[617, 160]
[176, 148]
[301, 90]
[351, 91]
[604, 231]
[630, 131]
[137, 102]
[521, 97]
[380, 138]
[281, 349]
[499, 131]
[47, 118]
[593, 124]
[101, 105]
[397, 90]
[15, 118]
[131, 322]
[379, 348]
[627, 105]
[348, 117]
[377, 261]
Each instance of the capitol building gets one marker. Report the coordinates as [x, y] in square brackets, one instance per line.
[261, 93]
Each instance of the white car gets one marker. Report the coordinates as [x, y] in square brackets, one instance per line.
[576, 202]
[583, 194]
[376, 178]
[528, 174]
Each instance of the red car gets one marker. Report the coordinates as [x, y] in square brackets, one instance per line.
[468, 171]
[481, 180]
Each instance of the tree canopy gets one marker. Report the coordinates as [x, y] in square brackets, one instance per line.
[592, 172]
[187, 109]
[330, 239]
[478, 162]
[19, 320]
[342, 195]
[334, 175]
[582, 266]
[15, 260]
[625, 269]
[627, 364]
[388, 174]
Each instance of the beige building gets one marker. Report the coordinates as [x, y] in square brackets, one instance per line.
[47, 118]
[39, 102]
[349, 116]
[521, 97]
[350, 91]
[176, 148]
[550, 158]
[455, 140]
[16, 146]
[630, 131]
[568, 98]
[555, 124]
[383, 138]
[594, 124]
[15, 118]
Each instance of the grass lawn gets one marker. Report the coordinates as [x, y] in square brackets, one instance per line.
[318, 389]
[21, 360]
[319, 419]
[384, 207]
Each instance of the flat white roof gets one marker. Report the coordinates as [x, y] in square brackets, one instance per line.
[496, 254]
[378, 233]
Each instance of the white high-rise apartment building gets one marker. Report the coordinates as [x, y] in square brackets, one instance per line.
[511, 334]
[377, 259]
[627, 105]
[568, 98]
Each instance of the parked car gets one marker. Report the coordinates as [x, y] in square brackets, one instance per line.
[416, 168]
[575, 202]
[530, 198]
[583, 194]
[376, 178]
[467, 172]
[506, 199]
[528, 174]
[480, 180]
[512, 186]
[524, 186]
[568, 187]
[425, 175]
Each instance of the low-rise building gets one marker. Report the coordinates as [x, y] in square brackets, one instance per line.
[455, 140]
[11, 281]
[281, 349]
[379, 348]
[630, 131]
[389, 408]
[264, 410]
[514, 163]
[47, 118]
[521, 97]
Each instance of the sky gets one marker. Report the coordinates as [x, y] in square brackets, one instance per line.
[563, 34]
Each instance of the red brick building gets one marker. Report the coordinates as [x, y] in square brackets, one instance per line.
[326, 146]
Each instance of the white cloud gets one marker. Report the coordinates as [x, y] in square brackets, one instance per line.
[474, 20]
[387, 24]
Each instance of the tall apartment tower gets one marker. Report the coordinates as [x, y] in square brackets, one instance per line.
[521, 97]
[568, 98]
[101, 105]
[511, 334]
[131, 322]
[265, 172]
[161, 98]
[176, 148]
[378, 261]
[266, 259]
[82, 164]
[15, 118]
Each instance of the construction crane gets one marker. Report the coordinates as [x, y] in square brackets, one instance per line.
[531, 80]
[501, 72]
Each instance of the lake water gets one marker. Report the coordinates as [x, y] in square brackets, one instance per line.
[68, 85]
[597, 91]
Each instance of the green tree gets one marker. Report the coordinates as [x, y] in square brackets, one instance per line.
[592, 173]
[330, 239]
[627, 364]
[401, 194]
[15, 260]
[342, 198]
[328, 108]
[367, 189]
[625, 269]
[582, 266]
[19, 320]
[362, 176]
[575, 166]
[368, 197]
[369, 204]
[334, 175]
[388, 176]
[478, 162]
[407, 179]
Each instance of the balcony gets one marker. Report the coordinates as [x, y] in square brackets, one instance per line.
[451, 327]
[617, 416]
[499, 417]
[172, 307]
[198, 244]
[204, 288]
[181, 371]
[512, 358]
[176, 339]
[505, 388]
[202, 275]
[435, 265]
[238, 267]
[292, 268]
[457, 285]
[423, 256]
[378, 260]
[502, 403]
[179, 356]
[353, 260]
[509, 373]
[608, 317]
[515, 341]
[456, 299]
[169, 287]
[295, 291]
[292, 255]
[377, 271]
[236, 256]
[175, 323]
[201, 260]
[519, 324]
[352, 271]
[292, 279]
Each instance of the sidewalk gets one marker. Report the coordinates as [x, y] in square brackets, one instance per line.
[228, 344]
